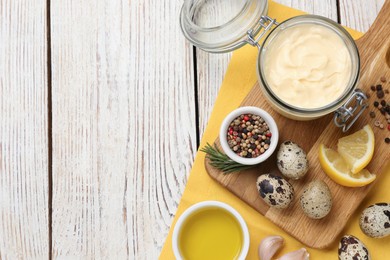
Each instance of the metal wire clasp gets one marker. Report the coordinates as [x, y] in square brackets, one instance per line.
[266, 23]
[353, 108]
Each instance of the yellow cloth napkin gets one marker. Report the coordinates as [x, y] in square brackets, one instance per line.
[239, 79]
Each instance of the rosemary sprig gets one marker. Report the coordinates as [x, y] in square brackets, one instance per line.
[221, 161]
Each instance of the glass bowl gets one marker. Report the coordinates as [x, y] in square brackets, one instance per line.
[296, 112]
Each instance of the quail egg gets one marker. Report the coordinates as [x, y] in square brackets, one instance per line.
[351, 248]
[275, 190]
[316, 199]
[375, 220]
[292, 160]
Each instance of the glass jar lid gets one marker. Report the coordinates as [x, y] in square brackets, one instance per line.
[221, 25]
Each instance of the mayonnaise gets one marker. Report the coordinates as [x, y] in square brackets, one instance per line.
[308, 66]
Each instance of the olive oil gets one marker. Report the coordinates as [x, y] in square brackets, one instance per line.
[211, 233]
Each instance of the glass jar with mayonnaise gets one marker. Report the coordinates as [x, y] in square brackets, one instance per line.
[308, 66]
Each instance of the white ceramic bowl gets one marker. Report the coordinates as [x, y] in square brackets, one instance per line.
[210, 204]
[272, 127]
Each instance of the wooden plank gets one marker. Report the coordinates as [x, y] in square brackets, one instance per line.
[124, 133]
[327, 8]
[375, 63]
[24, 229]
[359, 14]
[211, 68]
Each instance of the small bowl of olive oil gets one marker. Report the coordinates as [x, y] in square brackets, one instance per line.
[210, 230]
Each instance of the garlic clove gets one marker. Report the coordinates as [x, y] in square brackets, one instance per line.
[269, 246]
[300, 254]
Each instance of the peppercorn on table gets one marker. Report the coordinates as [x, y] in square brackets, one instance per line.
[103, 106]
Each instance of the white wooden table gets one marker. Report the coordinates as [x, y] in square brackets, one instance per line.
[102, 107]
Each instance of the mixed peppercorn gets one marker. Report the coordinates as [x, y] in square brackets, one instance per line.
[249, 136]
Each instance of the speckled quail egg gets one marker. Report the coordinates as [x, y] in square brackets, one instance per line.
[351, 248]
[375, 220]
[316, 199]
[292, 160]
[275, 191]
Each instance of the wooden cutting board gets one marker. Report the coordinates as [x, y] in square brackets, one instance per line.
[374, 49]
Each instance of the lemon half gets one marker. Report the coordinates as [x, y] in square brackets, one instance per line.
[336, 167]
[357, 149]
